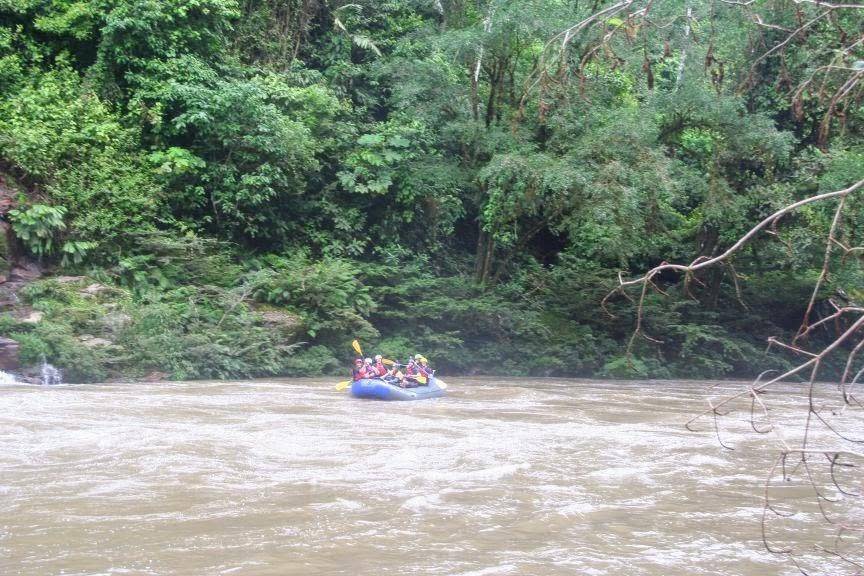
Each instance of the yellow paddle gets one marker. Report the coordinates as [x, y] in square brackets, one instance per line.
[345, 383]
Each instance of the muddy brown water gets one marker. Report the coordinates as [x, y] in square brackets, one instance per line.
[507, 477]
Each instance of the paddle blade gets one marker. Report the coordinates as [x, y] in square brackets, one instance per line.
[343, 385]
[356, 345]
[388, 362]
[441, 384]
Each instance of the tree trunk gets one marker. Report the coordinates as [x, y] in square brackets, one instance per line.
[496, 75]
[483, 257]
[479, 255]
[683, 63]
[475, 104]
[487, 261]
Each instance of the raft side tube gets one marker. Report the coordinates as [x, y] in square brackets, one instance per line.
[380, 390]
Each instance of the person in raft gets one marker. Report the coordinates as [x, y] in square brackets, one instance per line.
[424, 368]
[417, 366]
[378, 367]
[409, 380]
[360, 372]
[394, 375]
[380, 371]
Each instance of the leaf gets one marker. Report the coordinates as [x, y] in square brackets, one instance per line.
[366, 43]
[399, 141]
[372, 159]
[370, 139]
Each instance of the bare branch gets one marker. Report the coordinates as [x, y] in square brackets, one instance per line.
[823, 448]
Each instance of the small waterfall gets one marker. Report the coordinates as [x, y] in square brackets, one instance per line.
[50, 374]
[6, 379]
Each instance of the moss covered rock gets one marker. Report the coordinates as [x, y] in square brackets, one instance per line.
[9, 361]
[5, 250]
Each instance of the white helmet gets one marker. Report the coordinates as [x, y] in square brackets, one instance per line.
[368, 360]
[377, 357]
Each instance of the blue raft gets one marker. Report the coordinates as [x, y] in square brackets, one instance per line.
[380, 390]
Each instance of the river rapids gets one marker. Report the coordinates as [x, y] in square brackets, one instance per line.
[515, 477]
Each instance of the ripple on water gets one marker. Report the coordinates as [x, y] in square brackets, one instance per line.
[268, 477]
[491, 571]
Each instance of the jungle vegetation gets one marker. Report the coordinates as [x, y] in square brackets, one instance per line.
[249, 185]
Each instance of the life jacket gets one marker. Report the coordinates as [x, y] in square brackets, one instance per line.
[380, 369]
[411, 369]
[360, 373]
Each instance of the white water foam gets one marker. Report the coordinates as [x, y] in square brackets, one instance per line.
[423, 502]
[185, 478]
[50, 374]
[503, 569]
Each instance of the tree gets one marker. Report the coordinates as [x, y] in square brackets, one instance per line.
[831, 466]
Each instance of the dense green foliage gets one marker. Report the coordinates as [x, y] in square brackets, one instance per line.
[444, 177]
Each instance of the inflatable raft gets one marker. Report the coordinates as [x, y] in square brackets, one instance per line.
[380, 390]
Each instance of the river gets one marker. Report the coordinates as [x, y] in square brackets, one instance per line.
[515, 477]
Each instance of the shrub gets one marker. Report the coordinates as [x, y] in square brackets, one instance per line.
[312, 361]
[328, 294]
[38, 226]
[56, 343]
[63, 137]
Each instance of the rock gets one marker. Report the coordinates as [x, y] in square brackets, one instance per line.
[155, 376]
[114, 322]
[68, 279]
[92, 342]
[6, 204]
[3, 278]
[6, 255]
[25, 272]
[8, 299]
[9, 361]
[282, 320]
[8, 193]
[34, 318]
[94, 289]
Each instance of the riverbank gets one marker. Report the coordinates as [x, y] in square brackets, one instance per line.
[98, 326]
